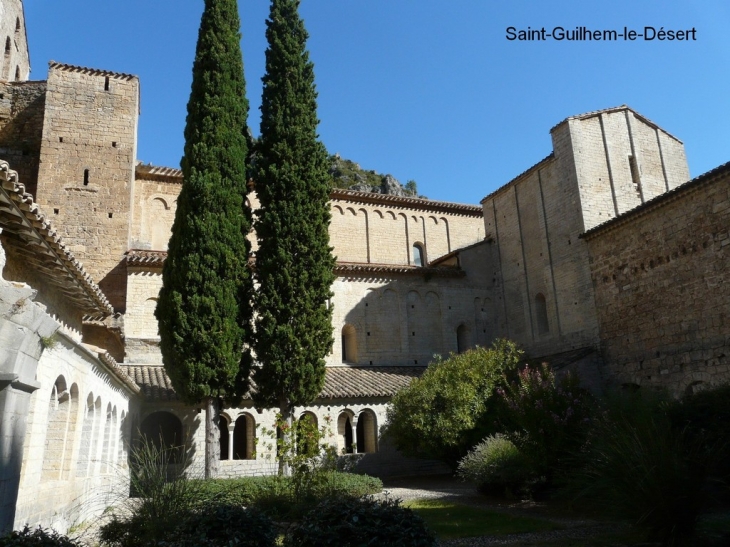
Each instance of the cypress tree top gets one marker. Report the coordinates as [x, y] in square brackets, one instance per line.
[294, 264]
[204, 309]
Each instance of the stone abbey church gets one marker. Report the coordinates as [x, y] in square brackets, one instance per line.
[602, 257]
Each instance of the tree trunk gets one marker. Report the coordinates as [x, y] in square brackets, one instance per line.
[286, 443]
[212, 437]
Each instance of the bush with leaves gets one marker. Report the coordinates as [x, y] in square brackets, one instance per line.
[451, 407]
[547, 418]
[352, 522]
[496, 466]
[36, 538]
[222, 526]
[638, 466]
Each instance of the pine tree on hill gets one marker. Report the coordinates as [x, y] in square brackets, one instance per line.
[204, 308]
[294, 262]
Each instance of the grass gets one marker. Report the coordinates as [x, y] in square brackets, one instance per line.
[452, 520]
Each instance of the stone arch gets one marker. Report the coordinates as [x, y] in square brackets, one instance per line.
[419, 254]
[338, 209]
[351, 210]
[367, 432]
[378, 212]
[391, 214]
[164, 431]
[87, 429]
[225, 440]
[244, 435]
[57, 423]
[307, 445]
[448, 234]
[345, 437]
[463, 338]
[71, 427]
[96, 435]
[159, 219]
[105, 454]
[541, 315]
[122, 441]
[349, 344]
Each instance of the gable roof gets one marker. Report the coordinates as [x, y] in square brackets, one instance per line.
[29, 233]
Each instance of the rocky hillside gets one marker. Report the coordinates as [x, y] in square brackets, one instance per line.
[349, 175]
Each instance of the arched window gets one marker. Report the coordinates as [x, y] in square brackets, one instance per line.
[349, 344]
[243, 437]
[367, 432]
[225, 441]
[462, 338]
[122, 448]
[58, 413]
[307, 435]
[419, 255]
[344, 433]
[163, 430]
[70, 432]
[87, 429]
[7, 46]
[541, 313]
[107, 440]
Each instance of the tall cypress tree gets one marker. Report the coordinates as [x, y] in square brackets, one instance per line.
[294, 263]
[204, 309]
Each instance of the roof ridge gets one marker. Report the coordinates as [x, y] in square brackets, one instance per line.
[89, 70]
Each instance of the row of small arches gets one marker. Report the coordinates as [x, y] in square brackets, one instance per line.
[356, 433]
[73, 449]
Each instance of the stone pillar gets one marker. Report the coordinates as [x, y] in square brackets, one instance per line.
[22, 323]
[231, 428]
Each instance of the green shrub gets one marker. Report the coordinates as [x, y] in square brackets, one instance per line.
[637, 466]
[450, 408]
[547, 418]
[222, 526]
[35, 538]
[352, 522]
[496, 466]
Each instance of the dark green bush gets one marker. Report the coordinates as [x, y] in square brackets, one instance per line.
[496, 466]
[276, 496]
[352, 522]
[547, 418]
[222, 526]
[450, 408]
[638, 466]
[35, 538]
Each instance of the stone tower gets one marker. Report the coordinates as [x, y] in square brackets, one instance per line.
[15, 64]
[86, 172]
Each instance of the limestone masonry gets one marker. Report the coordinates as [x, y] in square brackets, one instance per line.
[603, 257]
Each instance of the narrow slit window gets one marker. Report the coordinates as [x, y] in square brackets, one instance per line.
[17, 73]
[17, 24]
[635, 175]
[418, 255]
[106, 83]
[7, 46]
[86, 177]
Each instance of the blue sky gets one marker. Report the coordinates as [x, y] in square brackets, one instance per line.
[429, 90]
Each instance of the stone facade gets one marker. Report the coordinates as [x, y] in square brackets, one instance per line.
[661, 277]
[601, 257]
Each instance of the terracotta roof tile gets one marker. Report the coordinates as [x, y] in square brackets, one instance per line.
[92, 71]
[406, 202]
[29, 233]
[341, 382]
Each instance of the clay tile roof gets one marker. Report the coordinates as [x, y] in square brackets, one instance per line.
[377, 270]
[662, 199]
[141, 257]
[406, 202]
[114, 368]
[153, 172]
[92, 71]
[153, 381]
[29, 233]
[341, 382]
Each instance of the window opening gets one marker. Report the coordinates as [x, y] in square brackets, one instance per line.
[418, 255]
[86, 177]
[106, 83]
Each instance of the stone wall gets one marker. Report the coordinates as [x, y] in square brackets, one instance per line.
[22, 107]
[15, 63]
[86, 174]
[602, 165]
[77, 439]
[662, 288]
[386, 233]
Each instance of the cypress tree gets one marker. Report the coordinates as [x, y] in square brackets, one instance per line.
[294, 263]
[204, 308]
